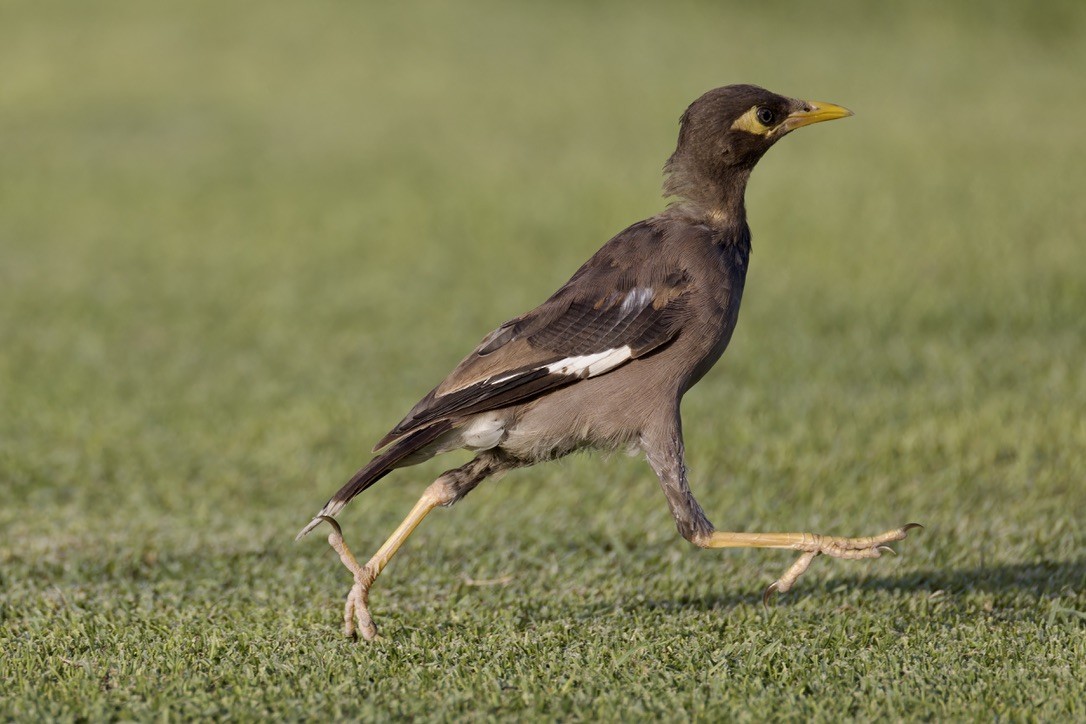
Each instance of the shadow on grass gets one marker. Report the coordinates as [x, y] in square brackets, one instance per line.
[1041, 579]
[1046, 579]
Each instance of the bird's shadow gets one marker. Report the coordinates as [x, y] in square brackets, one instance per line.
[1040, 580]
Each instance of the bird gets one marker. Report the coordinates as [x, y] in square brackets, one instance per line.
[605, 361]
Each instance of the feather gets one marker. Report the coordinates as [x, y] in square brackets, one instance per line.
[377, 468]
[598, 321]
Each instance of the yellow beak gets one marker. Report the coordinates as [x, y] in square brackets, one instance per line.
[815, 112]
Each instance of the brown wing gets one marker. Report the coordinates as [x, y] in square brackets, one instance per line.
[605, 316]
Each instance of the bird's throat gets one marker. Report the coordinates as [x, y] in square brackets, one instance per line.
[716, 200]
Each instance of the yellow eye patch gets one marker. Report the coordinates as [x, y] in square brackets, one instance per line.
[749, 122]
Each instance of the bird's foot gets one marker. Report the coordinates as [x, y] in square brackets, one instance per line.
[356, 611]
[851, 548]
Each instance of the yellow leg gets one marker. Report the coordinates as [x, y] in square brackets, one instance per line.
[357, 609]
[811, 544]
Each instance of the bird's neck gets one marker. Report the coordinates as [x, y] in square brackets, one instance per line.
[717, 201]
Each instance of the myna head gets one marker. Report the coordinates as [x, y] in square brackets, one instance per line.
[724, 133]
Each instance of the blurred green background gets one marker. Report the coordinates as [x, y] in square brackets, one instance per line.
[239, 240]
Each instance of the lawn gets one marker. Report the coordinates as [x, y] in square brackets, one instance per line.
[239, 240]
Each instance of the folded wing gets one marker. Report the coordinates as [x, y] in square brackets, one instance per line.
[594, 324]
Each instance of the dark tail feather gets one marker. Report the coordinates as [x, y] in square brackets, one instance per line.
[378, 468]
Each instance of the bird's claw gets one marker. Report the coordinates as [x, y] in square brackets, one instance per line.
[356, 614]
[356, 610]
[332, 522]
[872, 547]
[767, 594]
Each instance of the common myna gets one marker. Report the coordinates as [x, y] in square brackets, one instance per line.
[604, 362]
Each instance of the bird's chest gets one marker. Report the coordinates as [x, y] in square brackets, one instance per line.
[718, 307]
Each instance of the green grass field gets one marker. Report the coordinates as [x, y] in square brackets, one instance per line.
[239, 240]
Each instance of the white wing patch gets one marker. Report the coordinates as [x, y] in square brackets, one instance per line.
[503, 378]
[635, 300]
[585, 365]
[590, 365]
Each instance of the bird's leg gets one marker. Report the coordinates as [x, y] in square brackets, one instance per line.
[446, 490]
[356, 610]
[664, 451]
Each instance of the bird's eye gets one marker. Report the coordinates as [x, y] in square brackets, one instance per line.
[765, 116]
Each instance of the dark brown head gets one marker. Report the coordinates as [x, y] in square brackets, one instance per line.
[724, 133]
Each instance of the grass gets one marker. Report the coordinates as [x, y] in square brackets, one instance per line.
[238, 241]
